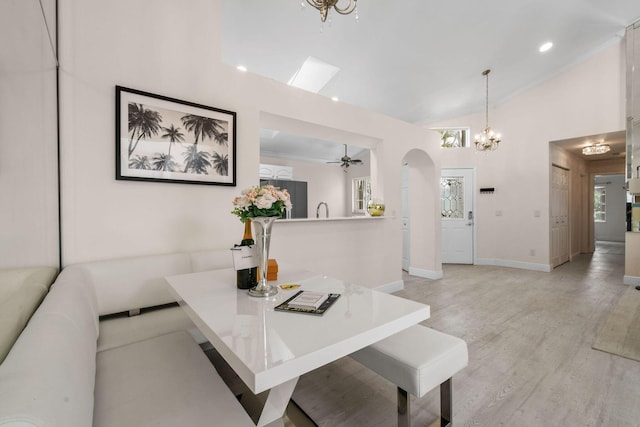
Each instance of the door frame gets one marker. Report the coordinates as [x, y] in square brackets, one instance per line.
[569, 213]
[405, 217]
[474, 207]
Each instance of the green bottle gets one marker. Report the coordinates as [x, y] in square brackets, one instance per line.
[247, 278]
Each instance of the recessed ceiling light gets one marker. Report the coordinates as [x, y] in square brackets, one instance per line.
[545, 46]
[241, 68]
[335, 99]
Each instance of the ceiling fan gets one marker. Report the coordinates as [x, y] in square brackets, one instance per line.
[347, 161]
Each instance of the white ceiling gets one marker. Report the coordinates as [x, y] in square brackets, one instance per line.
[298, 147]
[422, 61]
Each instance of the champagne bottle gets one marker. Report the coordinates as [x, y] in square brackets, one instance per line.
[247, 278]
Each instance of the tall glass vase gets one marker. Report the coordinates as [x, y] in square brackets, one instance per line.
[262, 228]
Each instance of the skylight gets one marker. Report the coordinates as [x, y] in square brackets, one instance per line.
[313, 75]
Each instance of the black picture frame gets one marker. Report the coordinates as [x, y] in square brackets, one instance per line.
[164, 139]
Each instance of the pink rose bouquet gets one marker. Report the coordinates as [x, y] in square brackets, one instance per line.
[261, 201]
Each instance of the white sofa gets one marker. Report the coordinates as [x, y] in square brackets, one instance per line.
[21, 292]
[78, 364]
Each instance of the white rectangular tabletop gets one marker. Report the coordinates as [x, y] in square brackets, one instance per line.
[266, 347]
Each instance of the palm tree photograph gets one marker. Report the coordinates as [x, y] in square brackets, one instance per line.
[165, 139]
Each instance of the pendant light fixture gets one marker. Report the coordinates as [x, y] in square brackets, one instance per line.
[324, 6]
[487, 140]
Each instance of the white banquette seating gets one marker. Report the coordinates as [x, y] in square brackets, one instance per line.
[79, 363]
[21, 292]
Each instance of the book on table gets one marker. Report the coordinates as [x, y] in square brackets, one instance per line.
[307, 299]
[308, 302]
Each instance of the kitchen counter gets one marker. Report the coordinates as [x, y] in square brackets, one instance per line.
[337, 218]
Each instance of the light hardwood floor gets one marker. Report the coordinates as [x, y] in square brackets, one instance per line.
[530, 357]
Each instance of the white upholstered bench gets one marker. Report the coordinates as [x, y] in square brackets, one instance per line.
[81, 362]
[417, 360]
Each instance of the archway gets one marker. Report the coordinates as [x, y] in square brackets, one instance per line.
[421, 237]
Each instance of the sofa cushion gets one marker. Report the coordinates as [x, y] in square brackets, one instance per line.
[132, 283]
[48, 376]
[123, 330]
[21, 291]
[162, 381]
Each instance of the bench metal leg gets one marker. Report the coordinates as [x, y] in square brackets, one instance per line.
[446, 400]
[446, 406]
[404, 411]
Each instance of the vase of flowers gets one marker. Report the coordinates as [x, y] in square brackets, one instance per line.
[263, 205]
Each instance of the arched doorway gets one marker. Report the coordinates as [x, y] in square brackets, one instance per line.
[421, 233]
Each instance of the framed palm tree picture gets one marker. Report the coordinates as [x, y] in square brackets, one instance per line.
[168, 140]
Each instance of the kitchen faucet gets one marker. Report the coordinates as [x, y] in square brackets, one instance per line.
[326, 209]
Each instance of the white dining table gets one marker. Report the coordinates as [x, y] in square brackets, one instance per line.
[270, 350]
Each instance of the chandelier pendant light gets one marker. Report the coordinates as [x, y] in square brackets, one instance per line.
[488, 140]
[324, 6]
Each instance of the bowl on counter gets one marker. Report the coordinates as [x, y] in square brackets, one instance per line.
[375, 208]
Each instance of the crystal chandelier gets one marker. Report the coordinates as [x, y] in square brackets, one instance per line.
[488, 140]
[597, 148]
[324, 7]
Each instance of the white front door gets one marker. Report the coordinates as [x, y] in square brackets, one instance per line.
[456, 200]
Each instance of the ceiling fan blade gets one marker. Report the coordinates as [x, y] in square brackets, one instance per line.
[347, 161]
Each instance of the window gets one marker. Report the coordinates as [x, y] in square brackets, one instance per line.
[452, 197]
[453, 137]
[361, 194]
[599, 205]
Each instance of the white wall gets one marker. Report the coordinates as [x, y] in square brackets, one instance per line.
[166, 48]
[28, 143]
[615, 227]
[560, 108]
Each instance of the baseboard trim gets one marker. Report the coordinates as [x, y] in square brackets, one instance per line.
[391, 287]
[631, 280]
[513, 264]
[426, 274]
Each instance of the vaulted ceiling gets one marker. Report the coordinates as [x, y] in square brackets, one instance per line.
[420, 60]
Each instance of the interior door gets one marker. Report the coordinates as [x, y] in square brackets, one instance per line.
[559, 216]
[456, 199]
